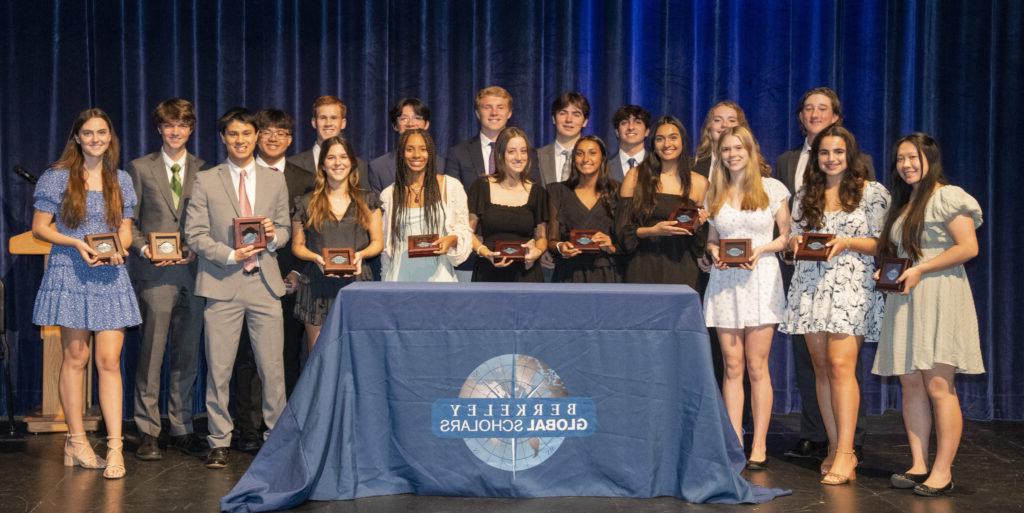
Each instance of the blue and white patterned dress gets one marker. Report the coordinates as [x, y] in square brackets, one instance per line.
[72, 294]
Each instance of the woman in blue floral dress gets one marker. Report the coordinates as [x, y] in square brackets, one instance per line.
[84, 193]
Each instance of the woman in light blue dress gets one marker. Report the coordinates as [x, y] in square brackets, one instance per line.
[423, 201]
[84, 193]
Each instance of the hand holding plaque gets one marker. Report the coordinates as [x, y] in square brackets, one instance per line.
[339, 261]
[165, 247]
[814, 247]
[106, 246]
[734, 252]
[249, 231]
[583, 240]
[514, 250]
[422, 245]
[687, 218]
[889, 271]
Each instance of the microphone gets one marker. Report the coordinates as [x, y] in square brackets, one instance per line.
[24, 173]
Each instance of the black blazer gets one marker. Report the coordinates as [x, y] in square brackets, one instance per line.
[703, 166]
[785, 167]
[465, 162]
[298, 181]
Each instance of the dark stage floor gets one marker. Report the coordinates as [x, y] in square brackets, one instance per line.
[988, 479]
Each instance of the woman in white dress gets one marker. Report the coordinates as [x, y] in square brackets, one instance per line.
[834, 303]
[423, 202]
[745, 303]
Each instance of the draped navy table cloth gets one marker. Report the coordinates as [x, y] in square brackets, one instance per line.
[504, 390]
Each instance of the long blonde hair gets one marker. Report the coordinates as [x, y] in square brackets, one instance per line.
[707, 139]
[754, 196]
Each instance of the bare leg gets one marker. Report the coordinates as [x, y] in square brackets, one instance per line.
[312, 332]
[917, 419]
[949, 422]
[72, 373]
[108, 363]
[843, 351]
[733, 362]
[758, 342]
[817, 347]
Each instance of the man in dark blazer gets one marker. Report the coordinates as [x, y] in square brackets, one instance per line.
[407, 113]
[818, 109]
[570, 113]
[470, 159]
[243, 283]
[632, 125]
[163, 184]
[328, 120]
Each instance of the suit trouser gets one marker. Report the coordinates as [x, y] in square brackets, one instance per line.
[167, 308]
[811, 426]
[256, 305]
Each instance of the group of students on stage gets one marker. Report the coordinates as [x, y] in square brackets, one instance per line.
[496, 190]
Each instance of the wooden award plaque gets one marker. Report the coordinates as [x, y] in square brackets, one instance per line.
[510, 249]
[685, 218]
[889, 270]
[813, 247]
[734, 252]
[106, 244]
[249, 232]
[339, 261]
[422, 245]
[165, 246]
[583, 240]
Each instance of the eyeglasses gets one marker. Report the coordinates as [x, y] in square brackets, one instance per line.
[270, 134]
[407, 119]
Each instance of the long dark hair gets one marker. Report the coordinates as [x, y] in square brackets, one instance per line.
[320, 204]
[851, 189]
[72, 210]
[903, 193]
[607, 188]
[432, 204]
[501, 170]
[648, 173]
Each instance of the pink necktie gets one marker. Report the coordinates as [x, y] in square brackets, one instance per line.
[246, 209]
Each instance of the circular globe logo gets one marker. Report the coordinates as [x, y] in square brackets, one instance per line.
[513, 376]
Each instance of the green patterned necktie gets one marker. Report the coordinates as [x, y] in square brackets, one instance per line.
[176, 184]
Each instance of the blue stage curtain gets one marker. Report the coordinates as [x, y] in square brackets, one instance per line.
[950, 68]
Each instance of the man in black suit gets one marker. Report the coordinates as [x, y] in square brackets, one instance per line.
[328, 120]
[275, 137]
[632, 125]
[473, 158]
[818, 109]
[407, 113]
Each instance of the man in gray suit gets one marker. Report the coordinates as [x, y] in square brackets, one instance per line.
[243, 283]
[328, 120]
[407, 113]
[818, 109]
[632, 125]
[163, 183]
[569, 113]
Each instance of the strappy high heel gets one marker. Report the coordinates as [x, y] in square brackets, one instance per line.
[832, 478]
[115, 458]
[78, 452]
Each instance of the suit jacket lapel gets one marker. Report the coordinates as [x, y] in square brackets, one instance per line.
[159, 175]
[262, 194]
[191, 169]
[229, 188]
[477, 155]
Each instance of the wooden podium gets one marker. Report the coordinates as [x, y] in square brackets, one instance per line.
[51, 417]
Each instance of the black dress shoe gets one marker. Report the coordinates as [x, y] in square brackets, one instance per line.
[927, 491]
[218, 458]
[148, 449]
[758, 465]
[906, 480]
[804, 449]
[249, 442]
[190, 444]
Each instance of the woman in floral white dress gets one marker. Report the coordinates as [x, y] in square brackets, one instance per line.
[744, 304]
[834, 303]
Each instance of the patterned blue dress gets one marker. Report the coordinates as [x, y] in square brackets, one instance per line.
[73, 294]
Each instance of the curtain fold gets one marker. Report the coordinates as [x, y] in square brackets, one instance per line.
[949, 68]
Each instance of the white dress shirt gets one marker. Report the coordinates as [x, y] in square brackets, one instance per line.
[624, 159]
[560, 162]
[485, 147]
[250, 191]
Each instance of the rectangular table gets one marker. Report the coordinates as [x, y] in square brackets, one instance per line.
[504, 390]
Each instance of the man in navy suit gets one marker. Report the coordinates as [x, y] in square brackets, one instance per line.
[473, 158]
[407, 113]
[632, 125]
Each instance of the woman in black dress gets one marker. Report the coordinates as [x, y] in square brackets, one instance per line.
[508, 206]
[584, 202]
[335, 214]
[656, 250]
